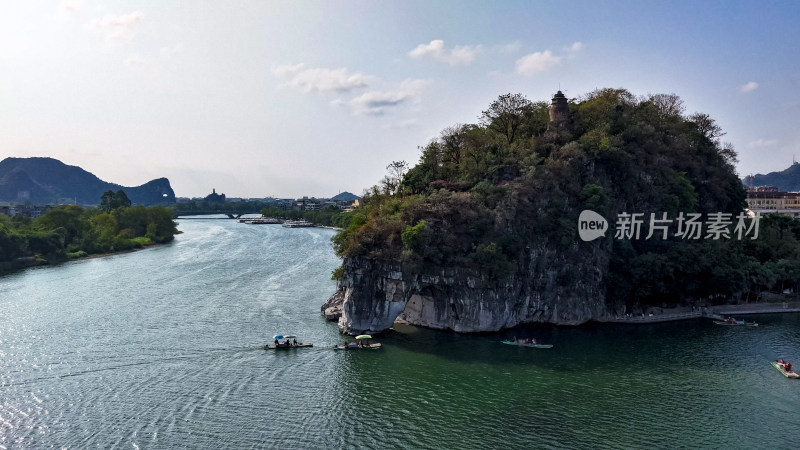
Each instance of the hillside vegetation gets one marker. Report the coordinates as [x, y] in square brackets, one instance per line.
[485, 196]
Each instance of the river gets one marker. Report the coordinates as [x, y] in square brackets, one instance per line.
[163, 348]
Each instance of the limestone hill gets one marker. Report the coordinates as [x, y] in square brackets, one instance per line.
[50, 181]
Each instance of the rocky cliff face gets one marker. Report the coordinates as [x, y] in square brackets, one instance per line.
[548, 288]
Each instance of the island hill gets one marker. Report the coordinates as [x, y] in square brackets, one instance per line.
[41, 181]
[482, 233]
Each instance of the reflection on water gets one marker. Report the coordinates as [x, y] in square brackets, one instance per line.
[163, 348]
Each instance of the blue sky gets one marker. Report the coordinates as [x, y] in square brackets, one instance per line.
[274, 98]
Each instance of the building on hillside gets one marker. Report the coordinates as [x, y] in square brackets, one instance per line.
[767, 201]
[306, 204]
[23, 210]
[353, 206]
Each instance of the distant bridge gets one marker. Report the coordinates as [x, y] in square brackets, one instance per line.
[235, 214]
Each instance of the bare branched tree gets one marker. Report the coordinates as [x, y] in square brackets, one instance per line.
[506, 114]
[453, 139]
[707, 126]
[669, 105]
[393, 179]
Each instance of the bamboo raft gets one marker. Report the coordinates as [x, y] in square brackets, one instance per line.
[522, 344]
[782, 369]
[357, 347]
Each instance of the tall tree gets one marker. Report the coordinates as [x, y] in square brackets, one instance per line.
[707, 126]
[506, 114]
[112, 200]
[393, 179]
[668, 105]
[453, 139]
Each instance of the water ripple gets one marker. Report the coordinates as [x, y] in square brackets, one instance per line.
[163, 348]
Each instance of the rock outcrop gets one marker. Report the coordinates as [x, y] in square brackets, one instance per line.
[548, 289]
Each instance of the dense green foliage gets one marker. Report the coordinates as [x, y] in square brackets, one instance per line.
[73, 231]
[113, 200]
[484, 195]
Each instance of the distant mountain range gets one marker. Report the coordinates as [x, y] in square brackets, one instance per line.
[49, 181]
[786, 181]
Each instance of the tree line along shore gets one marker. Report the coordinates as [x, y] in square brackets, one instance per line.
[71, 231]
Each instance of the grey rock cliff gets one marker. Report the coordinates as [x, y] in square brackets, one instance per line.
[550, 288]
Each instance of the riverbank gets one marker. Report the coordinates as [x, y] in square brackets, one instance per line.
[329, 227]
[712, 312]
[332, 310]
[30, 262]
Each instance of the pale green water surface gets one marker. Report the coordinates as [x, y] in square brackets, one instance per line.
[162, 348]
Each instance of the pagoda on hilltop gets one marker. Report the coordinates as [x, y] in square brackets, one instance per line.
[559, 115]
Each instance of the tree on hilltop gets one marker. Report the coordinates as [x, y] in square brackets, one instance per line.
[112, 200]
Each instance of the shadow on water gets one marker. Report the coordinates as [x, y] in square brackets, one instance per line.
[591, 338]
[604, 345]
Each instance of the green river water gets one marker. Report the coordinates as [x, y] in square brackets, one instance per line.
[163, 348]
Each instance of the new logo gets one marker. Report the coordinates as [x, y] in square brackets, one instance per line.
[591, 225]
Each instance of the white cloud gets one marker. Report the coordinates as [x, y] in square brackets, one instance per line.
[575, 47]
[320, 80]
[761, 143]
[375, 103]
[460, 54]
[748, 87]
[118, 28]
[537, 62]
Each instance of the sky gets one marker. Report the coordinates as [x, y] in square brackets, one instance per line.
[293, 98]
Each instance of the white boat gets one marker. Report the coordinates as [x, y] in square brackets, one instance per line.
[297, 224]
[258, 220]
[263, 221]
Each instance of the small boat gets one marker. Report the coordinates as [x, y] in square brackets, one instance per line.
[788, 373]
[732, 321]
[523, 344]
[291, 342]
[357, 347]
